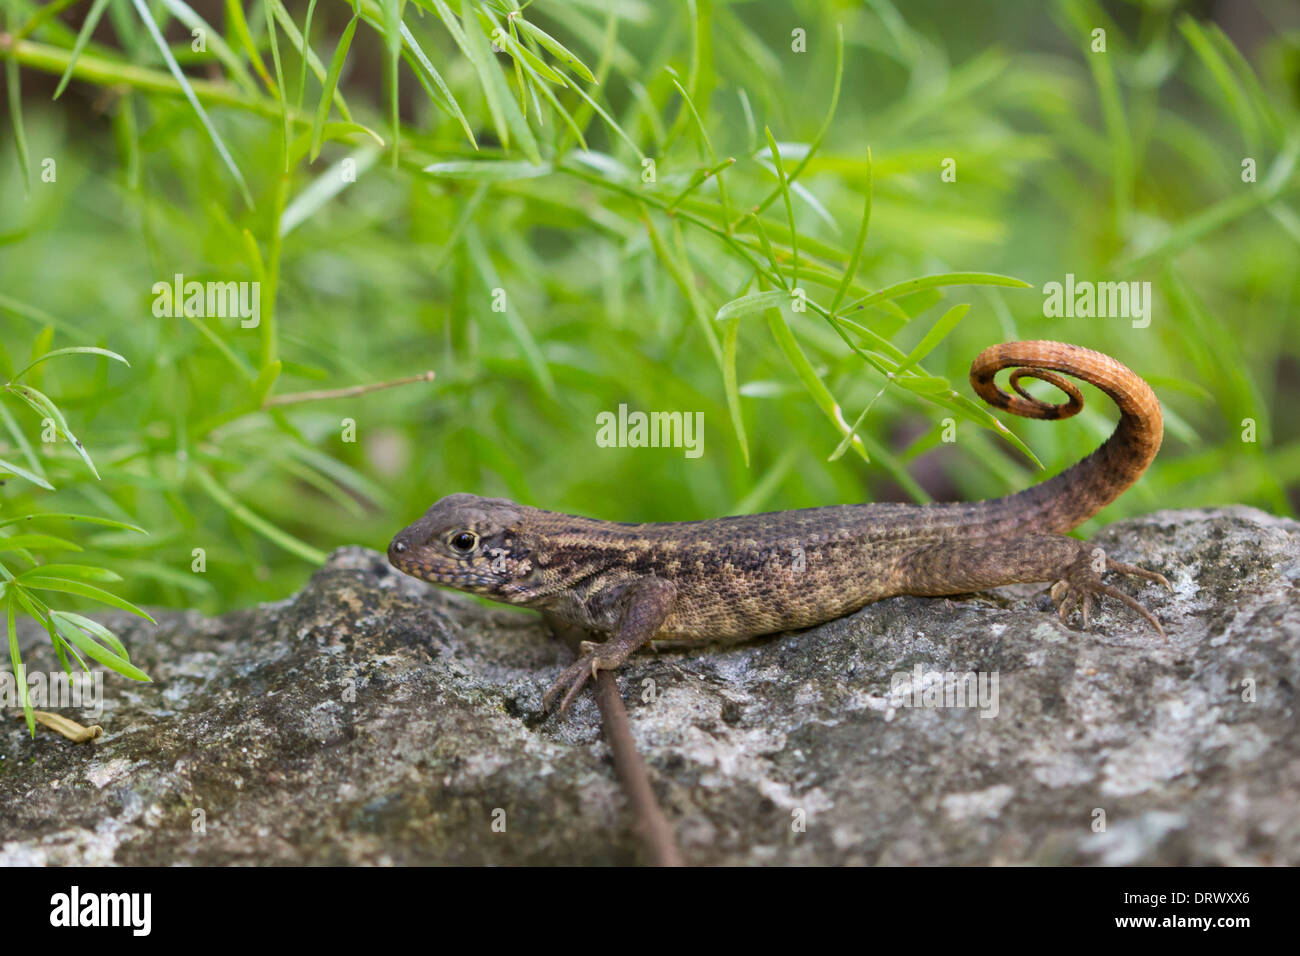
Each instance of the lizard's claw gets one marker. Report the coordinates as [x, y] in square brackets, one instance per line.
[591, 658]
[1082, 581]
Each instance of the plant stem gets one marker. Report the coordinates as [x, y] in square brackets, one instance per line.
[655, 831]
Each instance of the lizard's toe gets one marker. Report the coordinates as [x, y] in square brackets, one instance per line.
[1082, 582]
[592, 657]
[571, 679]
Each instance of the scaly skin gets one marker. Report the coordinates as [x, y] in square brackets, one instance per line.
[698, 582]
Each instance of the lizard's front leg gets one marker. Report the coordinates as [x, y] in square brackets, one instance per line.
[1075, 568]
[643, 606]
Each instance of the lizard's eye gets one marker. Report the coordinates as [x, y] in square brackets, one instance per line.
[464, 541]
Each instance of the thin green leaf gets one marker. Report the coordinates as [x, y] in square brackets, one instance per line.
[488, 170]
[95, 629]
[183, 81]
[506, 117]
[239, 26]
[47, 409]
[447, 101]
[215, 42]
[302, 60]
[556, 49]
[808, 376]
[860, 243]
[730, 336]
[16, 661]
[789, 206]
[80, 349]
[87, 28]
[41, 541]
[88, 519]
[331, 83]
[259, 524]
[304, 50]
[71, 572]
[13, 81]
[752, 303]
[16, 433]
[930, 282]
[99, 652]
[22, 472]
[518, 329]
[392, 10]
[87, 591]
[938, 332]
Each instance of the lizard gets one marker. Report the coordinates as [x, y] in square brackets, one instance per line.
[700, 582]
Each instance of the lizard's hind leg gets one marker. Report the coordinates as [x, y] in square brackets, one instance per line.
[1075, 568]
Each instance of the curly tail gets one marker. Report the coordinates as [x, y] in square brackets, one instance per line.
[1079, 492]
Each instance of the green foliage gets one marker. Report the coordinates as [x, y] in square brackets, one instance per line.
[564, 206]
[19, 589]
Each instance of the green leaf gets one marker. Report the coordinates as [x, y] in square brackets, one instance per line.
[16, 661]
[930, 282]
[96, 629]
[87, 28]
[264, 382]
[47, 409]
[859, 244]
[938, 332]
[239, 26]
[89, 519]
[12, 82]
[523, 336]
[505, 111]
[76, 572]
[789, 206]
[215, 42]
[302, 60]
[16, 433]
[556, 49]
[811, 381]
[84, 590]
[488, 170]
[99, 652]
[79, 349]
[183, 81]
[531, 63]
[446, 100]
[22, 472]
[825, 127]
[304, 50]
[392, 10]
[41, 541]
[730, 338]
[257, 522]
[752, 303]
[331, 84]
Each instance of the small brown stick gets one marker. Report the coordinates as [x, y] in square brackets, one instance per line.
[318, 396]
[654, 828]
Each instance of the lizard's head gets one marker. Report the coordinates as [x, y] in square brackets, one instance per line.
[470, 544]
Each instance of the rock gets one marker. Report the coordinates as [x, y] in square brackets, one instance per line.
[375, 719]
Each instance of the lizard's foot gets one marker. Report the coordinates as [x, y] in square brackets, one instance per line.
[1082, 580]
[591, 657]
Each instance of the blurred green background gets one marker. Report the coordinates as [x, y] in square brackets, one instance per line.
[1122, 165]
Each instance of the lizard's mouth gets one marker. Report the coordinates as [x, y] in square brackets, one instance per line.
[423, 562]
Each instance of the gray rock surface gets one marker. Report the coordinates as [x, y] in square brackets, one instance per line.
[375, 719]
